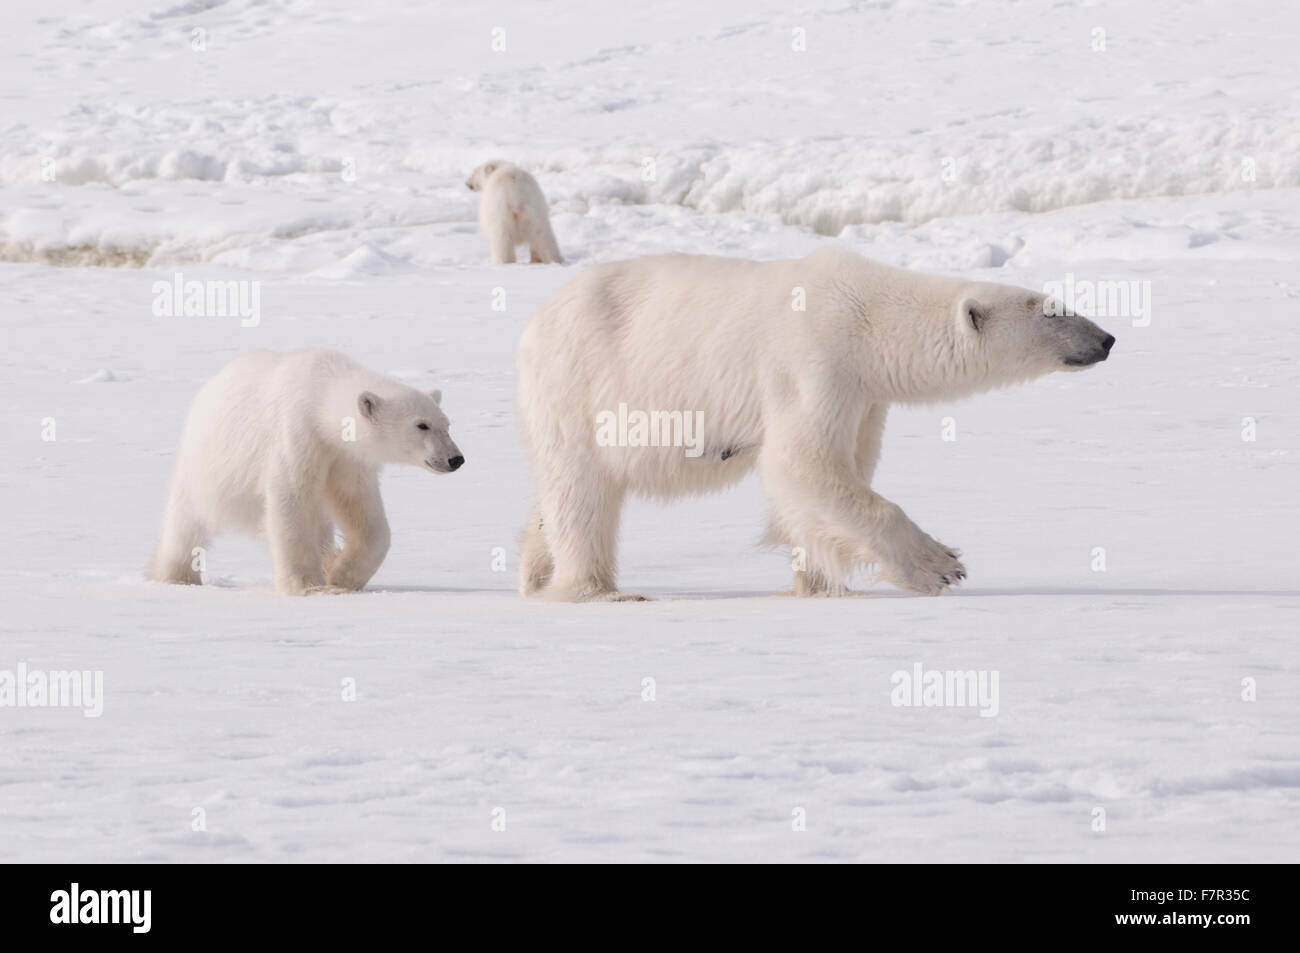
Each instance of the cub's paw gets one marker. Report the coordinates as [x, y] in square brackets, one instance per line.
[326, 590]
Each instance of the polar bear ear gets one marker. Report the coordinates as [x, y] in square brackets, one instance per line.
[971, 314]
[368, 404]
[437, 396]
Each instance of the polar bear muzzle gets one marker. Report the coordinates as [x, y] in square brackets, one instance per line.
[1085, 343]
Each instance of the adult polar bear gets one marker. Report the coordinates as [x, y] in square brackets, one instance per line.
[291, 444]
[799, 394]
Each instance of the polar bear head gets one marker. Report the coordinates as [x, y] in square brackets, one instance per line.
[479, 177]
[1008, 334]
[410, 428]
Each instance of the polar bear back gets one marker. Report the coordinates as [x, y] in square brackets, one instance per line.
[692, 330]
[675, 331]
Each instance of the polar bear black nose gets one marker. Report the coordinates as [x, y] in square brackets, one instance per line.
[1108, 343]
[455, 462]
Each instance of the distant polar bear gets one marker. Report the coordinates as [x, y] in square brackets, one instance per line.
[789, 367]
[291, 445]
[512, 213]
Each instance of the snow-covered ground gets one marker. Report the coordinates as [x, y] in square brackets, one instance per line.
[321, 149]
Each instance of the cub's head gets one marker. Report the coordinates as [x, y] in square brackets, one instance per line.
[479, 178]
[410, 429]
[1014, 334]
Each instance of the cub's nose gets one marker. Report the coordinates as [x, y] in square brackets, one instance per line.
[1108, 343]
[455, 462]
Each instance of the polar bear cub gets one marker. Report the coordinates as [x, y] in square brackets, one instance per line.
[291, 445]
[513, 213]
[790, 368]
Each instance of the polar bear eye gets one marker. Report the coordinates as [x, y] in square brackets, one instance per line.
[422, 426]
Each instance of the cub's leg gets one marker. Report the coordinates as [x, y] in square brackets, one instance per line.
[542, 246]
[293, 528]
[353, 499]
[328, 545]
[502, 244]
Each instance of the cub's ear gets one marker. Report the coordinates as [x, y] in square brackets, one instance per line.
[369, 404]
[437, 396]
[971, 314]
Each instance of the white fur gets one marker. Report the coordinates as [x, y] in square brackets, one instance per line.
[264, 450]
[801, 396]
[512, 213]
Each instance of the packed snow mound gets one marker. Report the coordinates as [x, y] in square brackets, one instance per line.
[366, 261]
[178, 208]
[829, 186]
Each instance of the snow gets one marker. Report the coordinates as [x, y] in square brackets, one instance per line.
[321, 149]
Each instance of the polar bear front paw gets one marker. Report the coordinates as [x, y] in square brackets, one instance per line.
[931, 568]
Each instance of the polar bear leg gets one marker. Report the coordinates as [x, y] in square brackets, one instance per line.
[293, 528]
[502, 243]
[535, 562]
[821, 503]
[813, 575]
[825, 570]
[825, 574]
[328, 545]
[543, 249]
[353, 498]
[182, 534]
[580, 518]
[871, 434]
